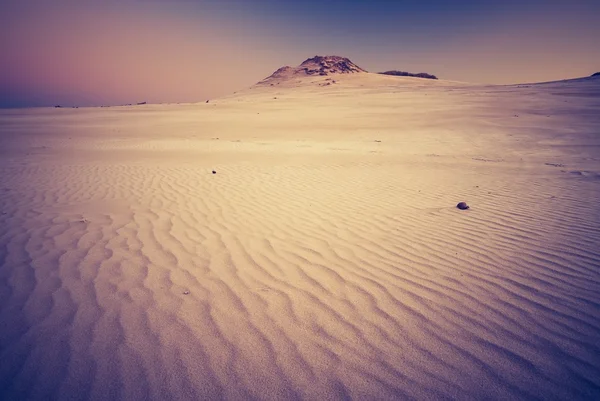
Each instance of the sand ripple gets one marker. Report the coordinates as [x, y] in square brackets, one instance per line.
[298, 281]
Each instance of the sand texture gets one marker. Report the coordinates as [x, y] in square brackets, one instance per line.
[325, 259]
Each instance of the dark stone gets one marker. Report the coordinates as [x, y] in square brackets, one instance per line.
[462, 206]
[214, 172]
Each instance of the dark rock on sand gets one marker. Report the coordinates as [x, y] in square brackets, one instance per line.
[462, 206]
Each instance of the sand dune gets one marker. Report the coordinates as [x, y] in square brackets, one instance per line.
[325, 259]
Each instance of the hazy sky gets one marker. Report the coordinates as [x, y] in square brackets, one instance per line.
[88, 52]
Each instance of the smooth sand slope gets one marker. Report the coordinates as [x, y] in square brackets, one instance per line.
[325, 259]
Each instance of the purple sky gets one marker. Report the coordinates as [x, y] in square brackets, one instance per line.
[85, 53]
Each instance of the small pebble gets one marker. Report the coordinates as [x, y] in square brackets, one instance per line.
[186, 293]
[214, 172]
[462, 206]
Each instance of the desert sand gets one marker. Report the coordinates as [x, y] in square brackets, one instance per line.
[325, 259]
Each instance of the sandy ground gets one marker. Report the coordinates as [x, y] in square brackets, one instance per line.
[325, 259]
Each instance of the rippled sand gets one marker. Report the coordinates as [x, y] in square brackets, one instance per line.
[325, 259]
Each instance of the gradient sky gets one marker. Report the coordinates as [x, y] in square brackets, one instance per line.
[114, 52]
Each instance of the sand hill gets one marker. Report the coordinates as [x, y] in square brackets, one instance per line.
[318, 65]
[325, 258]
[324, 66]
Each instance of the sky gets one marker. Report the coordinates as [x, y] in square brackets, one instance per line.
[85, 52]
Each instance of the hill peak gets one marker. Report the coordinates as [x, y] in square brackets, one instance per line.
[318, 65]
[325, 65]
